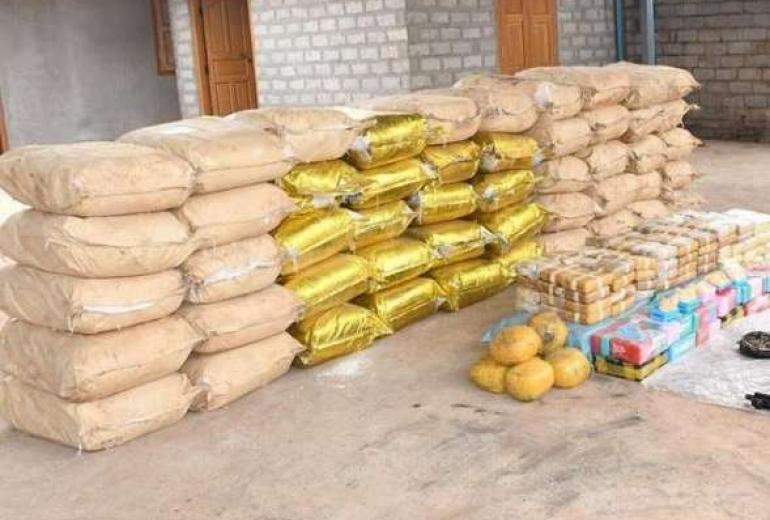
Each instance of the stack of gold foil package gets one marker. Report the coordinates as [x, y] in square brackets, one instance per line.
[583, 287]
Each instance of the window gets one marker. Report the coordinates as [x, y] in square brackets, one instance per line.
[164, 48]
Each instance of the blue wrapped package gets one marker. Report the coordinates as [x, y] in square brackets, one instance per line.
[681, 347]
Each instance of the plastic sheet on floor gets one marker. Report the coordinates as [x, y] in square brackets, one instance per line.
[717, 373]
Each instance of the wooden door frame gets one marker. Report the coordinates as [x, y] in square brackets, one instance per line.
[554, 9]
[4, 146]
[200, 60]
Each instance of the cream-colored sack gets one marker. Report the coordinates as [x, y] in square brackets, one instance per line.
[79, 367]
[649, 209]
[96, 178]
[561, 137]
[679, 200]
[88, 305]
[655, 84]
[680, 143]
[314, 133]
[564, 241]
[677, 174]
[646, 155]
[553, 100]
[606, 159]
[96, 247]
[245, 319]
[616, 224]
[567, 210]
[225, 154]
[231, 270]
[650, 185]
[563, 175]
[607, 123]
[503, 107]
[600, 86]
[226, 376]
[101, 424]
[228, 216]
[673, 113]
[449, 118]
[644, 121]
[615, 193]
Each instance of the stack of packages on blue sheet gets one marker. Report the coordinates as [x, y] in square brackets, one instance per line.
[694, 272]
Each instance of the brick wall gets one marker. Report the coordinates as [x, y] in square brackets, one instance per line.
[586, 32]
[726, 44]
[449, 39]
[311, 52]
[186, 84]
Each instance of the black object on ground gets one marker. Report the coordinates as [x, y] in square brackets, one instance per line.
[759, 400]
[755, 344]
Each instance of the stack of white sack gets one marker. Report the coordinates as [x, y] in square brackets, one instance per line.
[619, 160]
[233, 302]
[91, 355]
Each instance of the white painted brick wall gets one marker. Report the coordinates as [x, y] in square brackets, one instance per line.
[181, 28]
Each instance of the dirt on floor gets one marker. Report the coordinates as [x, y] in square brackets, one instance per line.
[398, 432]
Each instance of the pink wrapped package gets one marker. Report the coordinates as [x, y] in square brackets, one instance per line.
[758, 304]
[726, 301]
[756, 283]
[706, 331]
[635, 341]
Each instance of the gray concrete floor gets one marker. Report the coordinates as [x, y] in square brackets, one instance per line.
[398, 432]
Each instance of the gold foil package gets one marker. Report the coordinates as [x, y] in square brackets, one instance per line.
[454, 241]
[329, 283]
[395, 261]
[392, 138]
[390, 183]
[442, 203]
[501, 151]
[309, 237]
[512, 224]
[500, 190]
[468, 282]
[336, 332]
[406, 302]
[523, 250]
[454, 162]
[381, 223]
[333, 180]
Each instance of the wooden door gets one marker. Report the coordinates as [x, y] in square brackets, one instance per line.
[229, 59]
[526, 34]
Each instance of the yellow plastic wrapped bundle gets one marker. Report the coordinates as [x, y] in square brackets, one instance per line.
[336, 332]
[453, 241]
[441, 203]
[454, 162]
[321, 184]
[391, 139]
[390, 183]
[524, 250]
[382, 223]
[303, 204]
[468, 282]
[500, 190]
[395, 261]
[406, 302]
[329, 283]
[512, 224]
[309, 237]
[501, 151]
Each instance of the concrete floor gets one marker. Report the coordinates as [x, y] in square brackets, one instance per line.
[398, 432]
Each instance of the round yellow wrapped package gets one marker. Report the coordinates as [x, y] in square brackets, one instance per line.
[442, 203]
[500, 190]
[515, 344]
[329, 283]
[390, 183]
[453, 241]
[470, 281]
[501, 151]
[345, 329]
[570, 367]
[489, 375]
[512, 224]
[392, 138]
[381, 223]
[551, 329]
[453, 162]
[395, 261]
[406, 302]
[529, 380]
[310, 237]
